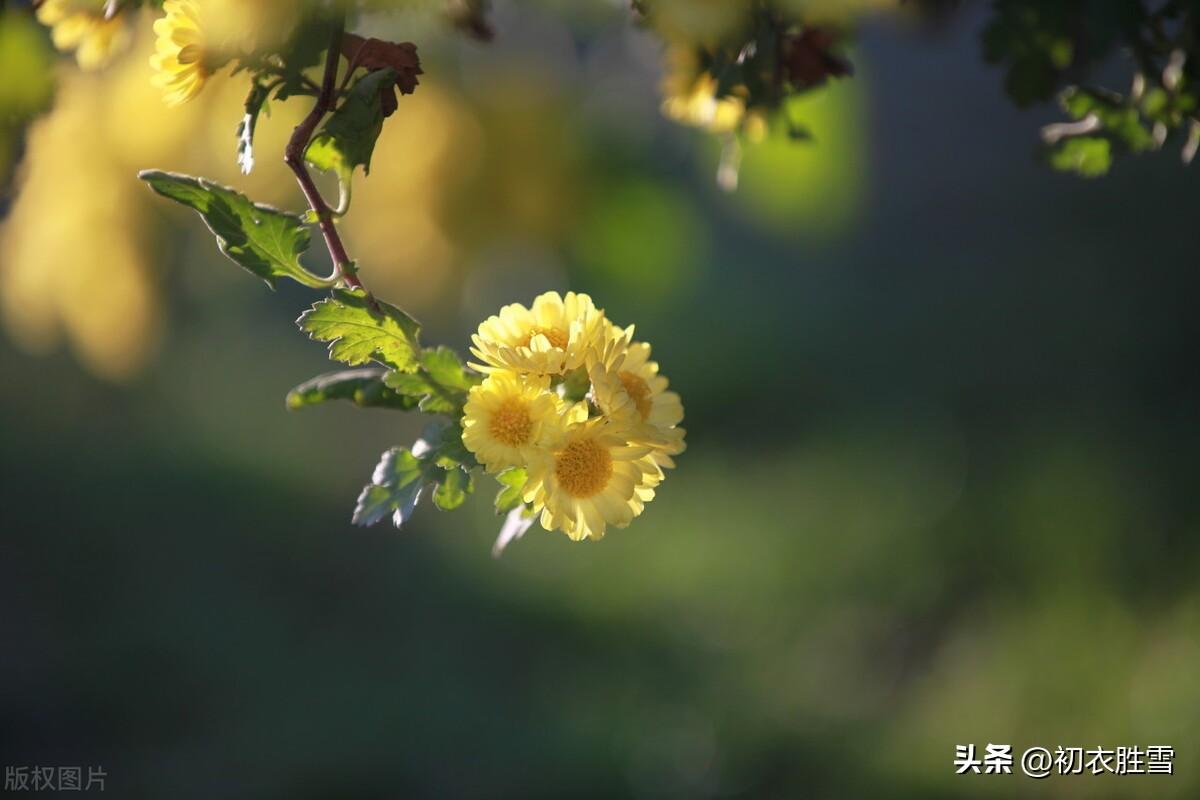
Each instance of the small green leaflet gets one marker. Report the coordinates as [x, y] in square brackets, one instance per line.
[265, 241]
[359, 332]
[453, 489]
[363, 387]
[512, 482]
[438, 386]
[348, 138]
[402, 477]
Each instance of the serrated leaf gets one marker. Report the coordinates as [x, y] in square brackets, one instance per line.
[358, 332]
[394, 490]
[363, 387]
[265, 241]
[439, 385]
[512, 483]
[403, 475]
[348, 138]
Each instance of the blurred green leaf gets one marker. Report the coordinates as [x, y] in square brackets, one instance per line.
[363, 387]
[265, 241]
[453, 490]
[359, 330]
[1089, 156]
[512, 482]
[1120, 121]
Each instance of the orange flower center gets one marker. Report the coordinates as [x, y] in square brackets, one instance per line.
[510, 424]
[583, 468]
[556, 337]
[638, 391]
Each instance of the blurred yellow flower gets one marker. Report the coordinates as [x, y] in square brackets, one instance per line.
[690, 98]
[509, 418]
[696, 104]
[594, 479]
[552, 337]
[80, 268]
[89, 273]
[80, 25]
[183, 61]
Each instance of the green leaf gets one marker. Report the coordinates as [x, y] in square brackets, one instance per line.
[1089, 156]
[395, 489]
[439, 385]
[1120, 121]
[363, 387]
[402, 477]
[512, 482]
[348, 138]
[453, 490]
[360, 330]
[265, 241]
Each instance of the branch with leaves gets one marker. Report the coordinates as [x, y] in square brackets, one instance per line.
[565, 408]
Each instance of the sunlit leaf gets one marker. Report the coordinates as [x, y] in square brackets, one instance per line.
[359, 331]
[265, 241]
[512, 482]
[348, 138]
[453, 489]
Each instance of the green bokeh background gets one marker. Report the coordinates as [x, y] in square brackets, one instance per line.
[940, 488]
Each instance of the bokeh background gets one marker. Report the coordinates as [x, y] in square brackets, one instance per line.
[941, 484]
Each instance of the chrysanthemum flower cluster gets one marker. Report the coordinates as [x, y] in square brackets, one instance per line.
[576, 403]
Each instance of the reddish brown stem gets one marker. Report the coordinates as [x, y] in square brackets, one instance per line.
[294, 156]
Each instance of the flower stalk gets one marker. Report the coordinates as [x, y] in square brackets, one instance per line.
[294, 157]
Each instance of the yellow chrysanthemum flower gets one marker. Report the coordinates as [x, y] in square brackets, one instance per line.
[183, 61]
[593, 479]
[80, 25]
[509, 419]
[628, 389]
[552, 337]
